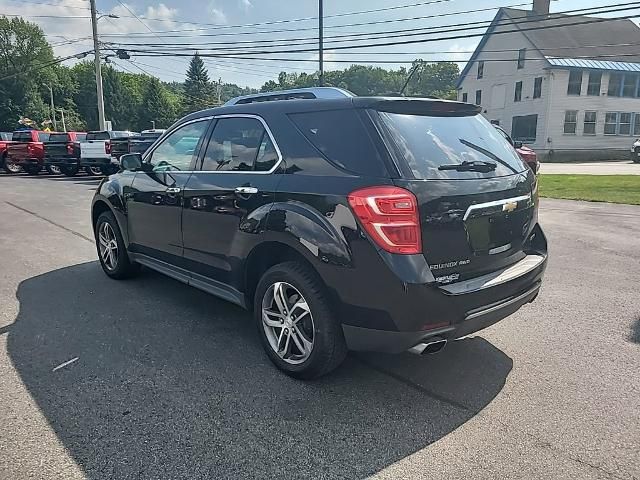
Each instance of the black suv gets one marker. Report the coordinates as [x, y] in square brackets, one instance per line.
[362, 223]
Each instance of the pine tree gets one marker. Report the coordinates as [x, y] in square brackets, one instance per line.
[197, 87]
[156, 106]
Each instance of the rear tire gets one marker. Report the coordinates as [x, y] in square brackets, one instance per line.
[112, 252]
[93, 171]
[53, 169]
[310, 322]
[9, 166]
[70, 171]
[110, 170]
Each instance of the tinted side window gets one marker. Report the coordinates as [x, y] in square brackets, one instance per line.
[342, 138]
[177, 150]
[234, 145]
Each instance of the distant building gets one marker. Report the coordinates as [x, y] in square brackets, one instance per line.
[572, 91]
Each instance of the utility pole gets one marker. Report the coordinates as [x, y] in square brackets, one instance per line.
[96, 52]
[64, 125]
[320, 42]
[53, 108]
[219, 89]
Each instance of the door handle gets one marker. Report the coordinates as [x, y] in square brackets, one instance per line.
[246, 190]
[173, 190]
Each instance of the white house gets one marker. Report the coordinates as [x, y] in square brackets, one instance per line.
[567, 85]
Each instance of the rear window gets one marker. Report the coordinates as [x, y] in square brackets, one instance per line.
[21, 136]
[342, 138]
[81, 137]
[59, 137]
[98, 136]
[427, 143]
[43, 136]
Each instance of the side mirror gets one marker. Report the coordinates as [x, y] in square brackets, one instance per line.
[131, 162]
[517, 144]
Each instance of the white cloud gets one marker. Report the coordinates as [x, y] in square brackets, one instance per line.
[217, 15]
[245, 5]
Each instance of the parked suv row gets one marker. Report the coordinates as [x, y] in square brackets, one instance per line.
[364, 223]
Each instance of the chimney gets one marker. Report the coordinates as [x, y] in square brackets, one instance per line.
[541, 7]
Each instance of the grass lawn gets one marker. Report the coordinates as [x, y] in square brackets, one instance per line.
[593, 188]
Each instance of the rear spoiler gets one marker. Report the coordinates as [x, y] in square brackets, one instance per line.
[419, 106]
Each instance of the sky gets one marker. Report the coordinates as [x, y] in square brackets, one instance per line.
[291, 24]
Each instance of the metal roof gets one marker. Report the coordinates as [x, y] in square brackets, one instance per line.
[593, 64]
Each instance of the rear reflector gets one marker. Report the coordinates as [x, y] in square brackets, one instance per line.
[390, 216]
[107, 147]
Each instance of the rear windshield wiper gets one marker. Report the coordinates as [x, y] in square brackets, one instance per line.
[488, 153]
[466, 166]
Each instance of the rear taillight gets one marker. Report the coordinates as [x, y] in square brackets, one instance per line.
[390, 216]
[107, 147]
[70, 148]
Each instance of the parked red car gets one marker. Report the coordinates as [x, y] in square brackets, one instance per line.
[62, 153]
[528, 155]
[5, 140]
[27, 150]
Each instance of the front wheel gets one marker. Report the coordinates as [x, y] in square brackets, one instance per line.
[297, 327]
[112, 251]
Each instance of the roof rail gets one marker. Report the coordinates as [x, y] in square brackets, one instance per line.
[296, 93]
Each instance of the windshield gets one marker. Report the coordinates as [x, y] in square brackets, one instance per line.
[98, 136]
[59, 137]
[428, 143]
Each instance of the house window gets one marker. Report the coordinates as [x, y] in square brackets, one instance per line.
[523, 129]
[615, 84]
[517, 97]
[575, 82]
[478, 97]
[465, 97]
[629, 85]
[595, 80]
[636, 124]
[480, 70]
[537, 87]
[624, 127]
[590, 119]
[610, 123]
[570, 122]
[521, 55]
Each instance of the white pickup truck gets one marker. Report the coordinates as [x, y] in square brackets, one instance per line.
[95, 151]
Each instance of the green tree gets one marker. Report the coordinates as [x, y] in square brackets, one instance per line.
[26, 62]
[435, 79]
[197, 87]
[157, 106]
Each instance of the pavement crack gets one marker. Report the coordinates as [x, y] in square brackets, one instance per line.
[413, 385]
[73, 232]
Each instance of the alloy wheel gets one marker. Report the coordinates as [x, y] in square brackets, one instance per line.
[108, 246]
[13, 167]
[288, 323]
[95, 170]
[55, 169]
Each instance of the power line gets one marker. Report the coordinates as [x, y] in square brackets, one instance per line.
[416, 41]
[389, 33]
[36, 68]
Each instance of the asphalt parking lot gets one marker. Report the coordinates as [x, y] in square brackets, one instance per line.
[169, 382]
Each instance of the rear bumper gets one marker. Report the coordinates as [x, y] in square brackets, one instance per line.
[61, 161]
[395, 317]
[27, 162]
[95, 162]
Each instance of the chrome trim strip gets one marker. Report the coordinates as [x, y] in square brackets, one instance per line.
[495, 203]
[524, 266]
[230, 115]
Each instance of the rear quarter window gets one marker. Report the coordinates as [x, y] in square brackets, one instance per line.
[341, 138]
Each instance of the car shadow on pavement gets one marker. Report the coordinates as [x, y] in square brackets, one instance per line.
[170, 382]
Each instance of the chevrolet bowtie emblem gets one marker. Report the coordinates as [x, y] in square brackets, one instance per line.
[509, 207]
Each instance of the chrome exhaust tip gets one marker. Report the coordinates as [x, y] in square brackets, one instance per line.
[429, 347]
